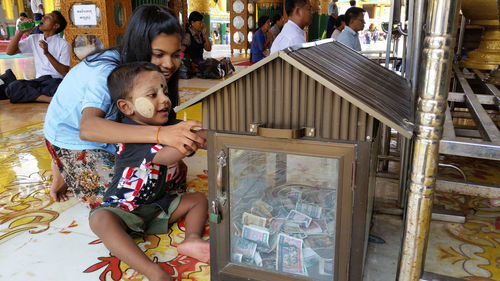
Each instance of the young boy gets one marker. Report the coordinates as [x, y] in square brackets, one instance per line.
[138, 200]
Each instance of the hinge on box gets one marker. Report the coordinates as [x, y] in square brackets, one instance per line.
[353, 180]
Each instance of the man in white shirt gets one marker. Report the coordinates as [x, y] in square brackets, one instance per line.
[51, 54]
[355, 22]
[299, 16]
[37, 9]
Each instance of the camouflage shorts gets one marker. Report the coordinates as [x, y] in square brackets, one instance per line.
[86, 172]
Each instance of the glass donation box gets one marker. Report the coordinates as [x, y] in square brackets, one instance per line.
[286, 209]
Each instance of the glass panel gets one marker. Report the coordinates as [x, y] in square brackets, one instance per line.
[85, 14]
[250, 36]
[238, 6]
[238, 22]
[283, 212]
[119, 14]
[238, 37]
[85, 44]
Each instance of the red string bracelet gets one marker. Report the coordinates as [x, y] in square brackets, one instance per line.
[157, 133]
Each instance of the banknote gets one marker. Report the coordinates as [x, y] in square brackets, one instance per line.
[257, 234]
[310, 257]
[295, 195]
[302, 219]
[319, 242]
[237, 257]
[326, 266]
[289, 255]
[257, 259]
[245, 247]
[313, 229]
[314, 211]
[275, 225]
[248, 219]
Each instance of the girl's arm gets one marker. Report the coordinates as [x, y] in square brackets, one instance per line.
[94, 127]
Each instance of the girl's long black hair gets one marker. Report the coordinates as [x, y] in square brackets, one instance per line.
[146, 22]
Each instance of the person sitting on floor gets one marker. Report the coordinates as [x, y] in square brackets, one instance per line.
[142, 197]
[51, 54]
[196, 40]
[261, 40]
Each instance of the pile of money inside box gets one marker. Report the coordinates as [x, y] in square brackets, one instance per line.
[288, 228]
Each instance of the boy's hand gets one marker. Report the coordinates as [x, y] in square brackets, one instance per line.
[181, 172]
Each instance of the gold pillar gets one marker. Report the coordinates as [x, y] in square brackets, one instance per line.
[8, 7]
[315, 6]
[202, 6]
[324, 7]
[483, 12]
[433, 86]
[20, 6]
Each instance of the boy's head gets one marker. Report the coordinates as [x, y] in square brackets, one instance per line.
[299, 11]
[140, 90]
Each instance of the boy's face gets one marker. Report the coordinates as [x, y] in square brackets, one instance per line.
[147, 102]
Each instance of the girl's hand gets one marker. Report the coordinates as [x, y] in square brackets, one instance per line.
[182, 137]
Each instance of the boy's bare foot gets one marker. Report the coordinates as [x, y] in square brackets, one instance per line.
[195, 248]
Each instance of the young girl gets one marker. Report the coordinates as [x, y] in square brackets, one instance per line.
[79, 126]
[140, 199]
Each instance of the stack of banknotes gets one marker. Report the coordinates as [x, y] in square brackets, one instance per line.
[289, 229]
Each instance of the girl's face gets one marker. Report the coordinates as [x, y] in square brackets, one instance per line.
[166, 53]
[197, 25]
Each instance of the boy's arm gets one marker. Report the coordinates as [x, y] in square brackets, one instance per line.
[167, 156]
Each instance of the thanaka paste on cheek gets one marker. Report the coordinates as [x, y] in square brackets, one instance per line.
[144, 107]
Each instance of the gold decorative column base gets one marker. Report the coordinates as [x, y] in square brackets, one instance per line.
[487, 56]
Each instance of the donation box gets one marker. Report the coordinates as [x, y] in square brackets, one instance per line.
[283, 209]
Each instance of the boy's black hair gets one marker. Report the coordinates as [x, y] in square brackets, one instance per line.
[290, 5]
[122, 79]
[23, 14]
[61, 21]
[262, 21]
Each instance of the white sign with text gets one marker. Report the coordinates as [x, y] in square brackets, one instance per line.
[84, 15]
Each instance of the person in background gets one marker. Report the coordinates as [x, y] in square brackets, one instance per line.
[37, 9]
[51, 54]
[22, 18]
[340, 26]
[142, 197]
[196, 40]
[352, 3]
[333, 11]
[261, 40]
[355, 22]
[278, 22]
[299, 16]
